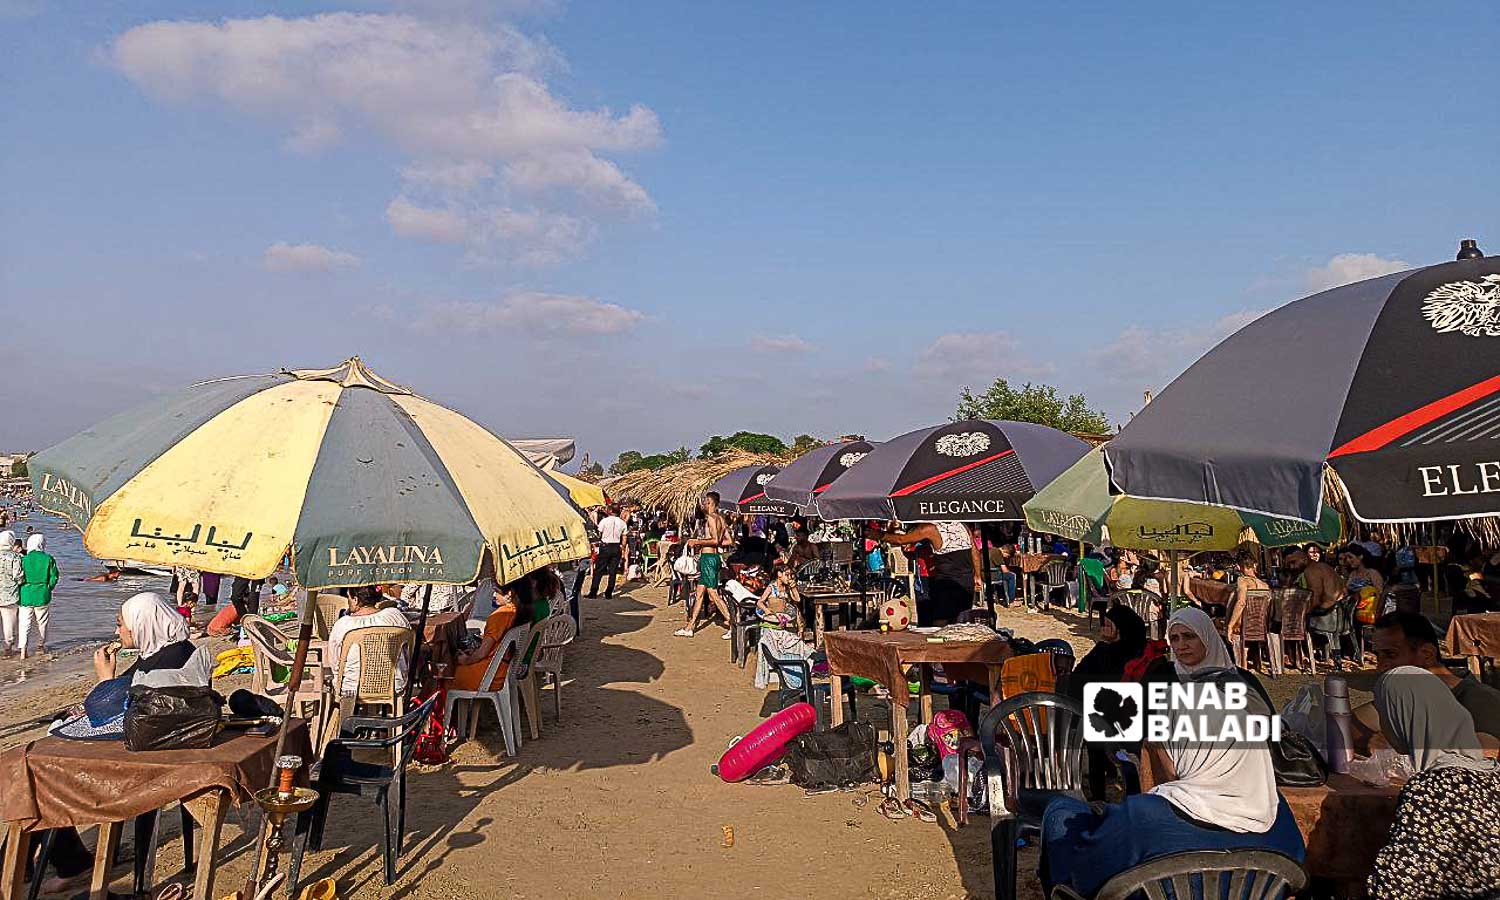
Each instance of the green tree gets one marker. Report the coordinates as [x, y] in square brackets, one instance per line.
[593, 470]
[803, 443]
[1039, 403]
[633, 461]
[748, 441]
[628, 461]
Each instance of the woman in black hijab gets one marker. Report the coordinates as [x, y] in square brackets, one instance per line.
[1122, 638]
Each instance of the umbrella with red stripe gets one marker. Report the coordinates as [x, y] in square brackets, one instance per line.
[1391, 384]
[744, 490]
[971, 471]
[805, 478]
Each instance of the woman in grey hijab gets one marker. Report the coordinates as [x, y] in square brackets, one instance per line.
[1445, 842]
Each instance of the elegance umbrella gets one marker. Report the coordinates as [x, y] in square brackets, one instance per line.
[1388, 390]
[363, 480]
[1078, 506]
[803, 479]
[744, 490]
[970, 471]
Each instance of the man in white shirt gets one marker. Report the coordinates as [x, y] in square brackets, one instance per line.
[612, 531]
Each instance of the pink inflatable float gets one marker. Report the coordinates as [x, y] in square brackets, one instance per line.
[766, 742]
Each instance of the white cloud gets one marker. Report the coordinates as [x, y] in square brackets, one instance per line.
[445, 226]
[1347, 268]
[467, 103]
[537, 314]
[1151, 355]
[977, 357]
[781, 343]
[283, 257]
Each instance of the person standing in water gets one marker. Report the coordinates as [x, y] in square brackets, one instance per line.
[39, 577]
[11, 576]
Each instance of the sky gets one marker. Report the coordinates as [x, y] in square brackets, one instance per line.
[639, 224]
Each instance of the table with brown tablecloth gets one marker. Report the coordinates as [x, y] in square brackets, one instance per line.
[1345, 823]
[52, 782]
[443, 637]
[1474, 635]
[1032, 563]
[884, 657]
[1207, 590]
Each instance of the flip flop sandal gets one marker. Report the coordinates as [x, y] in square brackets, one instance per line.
[891, 809]
[921, 811]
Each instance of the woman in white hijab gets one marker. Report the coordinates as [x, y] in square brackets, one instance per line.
[1445, 841]
[1219, 795]
[168, 658]
[11, 576]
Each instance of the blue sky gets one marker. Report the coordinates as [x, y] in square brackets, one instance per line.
[643, 223]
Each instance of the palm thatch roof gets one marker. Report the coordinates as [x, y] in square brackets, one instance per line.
[678, 488]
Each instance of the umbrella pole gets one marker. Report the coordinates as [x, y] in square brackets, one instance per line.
[417, 644]
[1172, 581]
[299, 662]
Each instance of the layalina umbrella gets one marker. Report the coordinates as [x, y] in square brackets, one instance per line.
[1078, 506]
[970, 471]
[363, 480]
[803, 479]
[744, 490]
[1389, 389]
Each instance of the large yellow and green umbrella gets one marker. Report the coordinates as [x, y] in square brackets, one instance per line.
[582, 492]
[1079, 506]
[362, 480]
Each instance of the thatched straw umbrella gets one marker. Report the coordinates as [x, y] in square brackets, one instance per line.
[678, 488]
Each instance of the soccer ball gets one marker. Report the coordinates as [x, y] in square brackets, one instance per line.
[896, 613]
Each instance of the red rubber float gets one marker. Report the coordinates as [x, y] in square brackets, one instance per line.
[766, 742]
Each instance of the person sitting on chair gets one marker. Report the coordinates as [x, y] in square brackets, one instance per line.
[517, 608]
[364, 612]
[1218, 795]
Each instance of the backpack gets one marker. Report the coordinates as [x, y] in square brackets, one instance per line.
[836, 758]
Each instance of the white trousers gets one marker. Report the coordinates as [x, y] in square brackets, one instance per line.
[8, 617]
[29, 615]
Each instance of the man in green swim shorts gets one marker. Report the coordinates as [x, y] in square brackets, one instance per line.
[710, 546]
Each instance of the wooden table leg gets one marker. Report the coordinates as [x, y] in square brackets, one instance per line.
[16, 843]
[209, 809]
[104, 858]
[899, 729]
[818, 628]
[836, 699]
[925, 698]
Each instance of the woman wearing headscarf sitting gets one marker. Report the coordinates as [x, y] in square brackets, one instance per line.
[1196, 647]
[1122, 638]
[168, 658]
[1214, 795]
[1445, 841]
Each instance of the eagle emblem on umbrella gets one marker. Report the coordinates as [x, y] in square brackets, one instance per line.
[966, 443]
[1471, 307]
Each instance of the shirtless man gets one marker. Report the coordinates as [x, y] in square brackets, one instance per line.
[1317, 577]
[710, 549]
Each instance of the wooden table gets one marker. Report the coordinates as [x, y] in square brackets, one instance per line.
[1475, 636]
[822, 600]
[884, 657]
[1344, 823]
[1209, 591]
[55, 783]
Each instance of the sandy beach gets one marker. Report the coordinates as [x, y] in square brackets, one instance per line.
[617, 800]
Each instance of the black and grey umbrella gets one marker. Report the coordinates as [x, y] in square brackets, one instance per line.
[744, 490]
[1391, 384]
[809, 475]
[971, 471]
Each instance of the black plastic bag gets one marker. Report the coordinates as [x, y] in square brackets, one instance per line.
[837, 758]
[172, 718]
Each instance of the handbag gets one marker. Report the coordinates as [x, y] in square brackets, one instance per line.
[836, 758]
[172, 718]
[1297, 762]
[686, 564]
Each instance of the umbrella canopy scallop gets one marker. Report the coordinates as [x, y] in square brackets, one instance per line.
[364, 481]
[970, 471]
[744, 490]
[1392, 385]
[809, 475]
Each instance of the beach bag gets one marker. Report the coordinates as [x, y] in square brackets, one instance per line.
[686, 565]
[172, 718]
[836, 758]
[1297, 762]
[1368, 609]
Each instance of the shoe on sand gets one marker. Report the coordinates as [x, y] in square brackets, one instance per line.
[683, 632]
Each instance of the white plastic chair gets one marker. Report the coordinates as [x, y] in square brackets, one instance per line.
[557, 633]
[504, 698]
